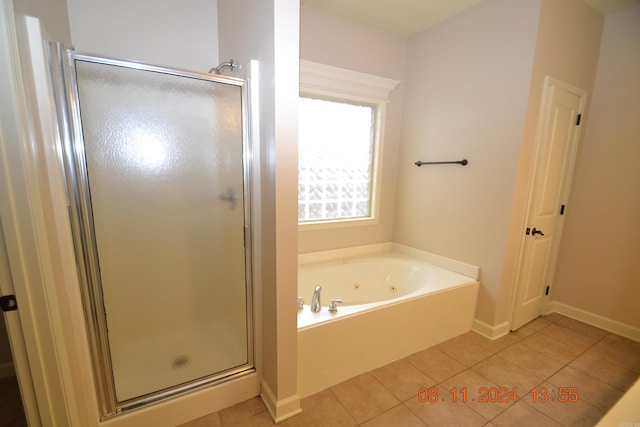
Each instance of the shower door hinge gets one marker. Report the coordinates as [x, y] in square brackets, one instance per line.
[8, 303]
[546, 292]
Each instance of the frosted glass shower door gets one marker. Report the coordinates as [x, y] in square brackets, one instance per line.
[159, 159]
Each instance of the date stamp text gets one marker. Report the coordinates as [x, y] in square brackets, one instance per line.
[497, 395]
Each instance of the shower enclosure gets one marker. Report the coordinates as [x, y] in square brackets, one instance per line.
[157, 167]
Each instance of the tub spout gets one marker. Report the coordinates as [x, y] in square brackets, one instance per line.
[315, 301]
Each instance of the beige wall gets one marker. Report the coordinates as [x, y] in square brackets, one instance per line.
[52, 15]
[601, 245]
[332, 40]
[164, 32]
[341, 43]
[466, 88]
[567, 49]
[473, 87]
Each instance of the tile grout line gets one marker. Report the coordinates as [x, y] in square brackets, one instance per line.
[343, 406]
[544, 379]
[486, 351]
[563, 367]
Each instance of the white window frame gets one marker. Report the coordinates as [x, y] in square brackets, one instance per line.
[342, 85]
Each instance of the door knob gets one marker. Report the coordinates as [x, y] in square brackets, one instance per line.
[534, 232]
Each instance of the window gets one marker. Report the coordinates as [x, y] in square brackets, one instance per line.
[341, 118]
[336, 157]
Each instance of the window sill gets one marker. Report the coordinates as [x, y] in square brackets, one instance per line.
[338, 223]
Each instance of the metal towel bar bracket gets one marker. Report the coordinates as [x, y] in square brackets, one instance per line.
[462, 162]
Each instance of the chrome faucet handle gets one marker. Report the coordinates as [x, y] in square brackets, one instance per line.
[333, 307]
[300, 303]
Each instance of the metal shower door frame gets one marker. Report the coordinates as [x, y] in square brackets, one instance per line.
[63, 80]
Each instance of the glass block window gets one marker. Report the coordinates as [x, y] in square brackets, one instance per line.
[341, 123]
[336, 154]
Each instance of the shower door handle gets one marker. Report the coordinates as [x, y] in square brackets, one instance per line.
[229, 196]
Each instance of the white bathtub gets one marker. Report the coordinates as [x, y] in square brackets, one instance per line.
[397, 301]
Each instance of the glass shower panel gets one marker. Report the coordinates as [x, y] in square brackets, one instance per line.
[164, 168]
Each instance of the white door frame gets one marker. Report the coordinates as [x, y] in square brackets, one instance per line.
[26, 139]
[16, 338]
[549, 83]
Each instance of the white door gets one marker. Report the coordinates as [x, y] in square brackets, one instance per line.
[557, 143]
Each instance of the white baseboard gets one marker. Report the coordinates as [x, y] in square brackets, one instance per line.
[491, 332]
[610, 325]
[280, 410]
[7, 370]
[596, 320]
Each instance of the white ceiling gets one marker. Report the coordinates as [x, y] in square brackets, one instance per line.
[408, 17]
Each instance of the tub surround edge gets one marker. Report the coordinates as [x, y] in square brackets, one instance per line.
[454, 265]
[331, 254]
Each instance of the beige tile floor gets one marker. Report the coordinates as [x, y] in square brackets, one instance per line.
[560, 359]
